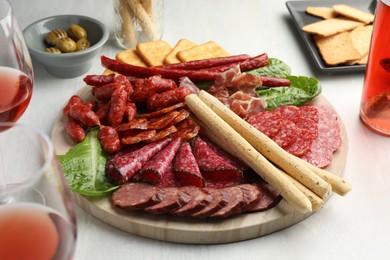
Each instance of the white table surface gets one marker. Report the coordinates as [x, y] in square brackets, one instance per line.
[353, 227]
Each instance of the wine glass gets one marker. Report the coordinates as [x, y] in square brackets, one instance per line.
[37, 218]
[16, 72]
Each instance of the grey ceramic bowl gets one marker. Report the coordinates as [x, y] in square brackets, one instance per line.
[65, 65]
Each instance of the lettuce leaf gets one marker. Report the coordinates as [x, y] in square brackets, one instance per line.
[302, 90]
[84, 167]
[275, 69]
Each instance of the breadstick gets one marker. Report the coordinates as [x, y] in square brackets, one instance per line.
[234, 143]
[148, 6]
[128, 30]
[269, 148]
[147, 24]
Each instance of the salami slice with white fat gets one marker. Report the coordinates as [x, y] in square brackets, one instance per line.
[213, 167]
[302, 143]
[291, 113]
[158, 165]
[287, 134]
[185, 167]
[122, 167]
[267, 122]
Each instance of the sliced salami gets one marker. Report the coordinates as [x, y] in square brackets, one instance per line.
[251, 195]
[229, 158]
[268, 198]
[302, 143]
[235, 198]
[291, 113]
[199, 200]
[186, 168]
[309, 111]
[168, 179]
[123, 166]
[319, 155]
[267, 122]
[171, 199]
[158, 165]
[216, 204]
[135, 196]
[214, 168]
[308, 124]
[287, 134]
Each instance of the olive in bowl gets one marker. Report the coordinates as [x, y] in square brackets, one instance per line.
[73, 62]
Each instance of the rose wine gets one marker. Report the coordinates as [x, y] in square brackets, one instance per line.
[31, 231]
[375, 104]
[15, 94]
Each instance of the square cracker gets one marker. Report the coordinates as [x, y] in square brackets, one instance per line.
[361, 39]
[153, 53]
[331, 26]
[130, 56]
[182, 44]
[354, 13]
[206, 50]
[336, 49]
[323, 12]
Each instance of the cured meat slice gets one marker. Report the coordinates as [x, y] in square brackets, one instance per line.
[136, 136]
[199, 200]
[122, 167]
[302, 143]
[319, 155]
[171, 199]
[162, 121]
[162, 133]
[218, 202]
[267, 122]
[268, 198]
[183, 114]
[136, 123]
[226, 156]
[287, 134]
[186, 129]
[163, 111]
[213, 167]
[291, 113]
[309, 111]
[235, 198]
[308, 124]
[158, 165]
[135, 196]
[168, 179]
[251, 195]
[185, 167]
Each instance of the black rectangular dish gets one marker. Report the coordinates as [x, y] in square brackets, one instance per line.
[301, 18]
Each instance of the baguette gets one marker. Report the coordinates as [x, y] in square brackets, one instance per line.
[289, 163]
[235, 144]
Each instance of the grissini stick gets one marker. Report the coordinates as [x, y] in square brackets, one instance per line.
[289, 163]
[128, 30]
[235, 144]
[145, 21]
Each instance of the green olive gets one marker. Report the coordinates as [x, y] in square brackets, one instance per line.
[82, 44]
[66, 45]
[53, 50]
[76, 32]
[55, 35]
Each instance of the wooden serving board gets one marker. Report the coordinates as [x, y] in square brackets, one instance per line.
[186, 230]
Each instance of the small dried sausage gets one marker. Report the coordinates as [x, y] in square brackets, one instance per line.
[82, 114]
[109, 139]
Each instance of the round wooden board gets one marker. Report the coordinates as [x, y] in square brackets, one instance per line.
[193, 231]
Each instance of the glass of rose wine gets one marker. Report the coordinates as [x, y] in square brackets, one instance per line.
[37, 218]
[16, 73]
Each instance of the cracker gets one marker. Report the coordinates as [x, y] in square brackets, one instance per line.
[361, 38]
[153, 53]
[206, 50]
[323, 12]
[353, 13]
[182, 44]
[130, 56]
[336, 49]
[331, 26]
